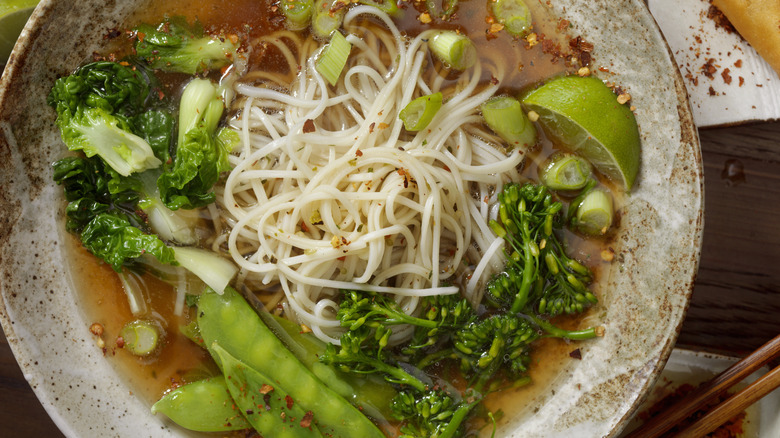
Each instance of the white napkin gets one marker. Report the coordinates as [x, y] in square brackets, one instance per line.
[754, 90]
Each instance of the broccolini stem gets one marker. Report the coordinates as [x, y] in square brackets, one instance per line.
[558, 332]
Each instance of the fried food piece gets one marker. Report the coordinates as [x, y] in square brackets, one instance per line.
[758, 21]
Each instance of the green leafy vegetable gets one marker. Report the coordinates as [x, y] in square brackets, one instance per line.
[95, 108]
[114, 239]
[176, 46]
[201, 150]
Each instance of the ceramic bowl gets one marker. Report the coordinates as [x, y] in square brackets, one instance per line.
[644, 292]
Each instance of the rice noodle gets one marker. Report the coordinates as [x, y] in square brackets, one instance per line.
[329, 192]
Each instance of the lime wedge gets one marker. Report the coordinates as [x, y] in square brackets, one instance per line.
[13, 16]
[582, 114]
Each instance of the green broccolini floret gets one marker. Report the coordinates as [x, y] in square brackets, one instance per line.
[539, 275]
[434, 414]
[447, 329]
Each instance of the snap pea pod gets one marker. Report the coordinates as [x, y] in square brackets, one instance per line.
[370, 393]
[270, 410]
[231, 321]
[203, 406]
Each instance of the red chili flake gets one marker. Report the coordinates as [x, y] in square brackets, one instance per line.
[266, 388]
[140, 36]
[576, 354]
[304, 228]
[358, 153]
[371, 127]
[712, 92]
[342, 258]
[726, 76]
[308, 126]
[160, 94]
[741, 81]
[562, 25]
[738, 64]
[709, 68]
[289, 401]
[306, 421]
[493, 80]
[120, 342]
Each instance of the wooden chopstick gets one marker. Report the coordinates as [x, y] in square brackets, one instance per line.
[683, 408]
[733, 405]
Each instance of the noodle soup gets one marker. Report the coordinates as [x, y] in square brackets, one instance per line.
[329, 191]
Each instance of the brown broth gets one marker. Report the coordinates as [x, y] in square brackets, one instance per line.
[179, 360]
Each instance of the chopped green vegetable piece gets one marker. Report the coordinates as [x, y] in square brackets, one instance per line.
[201, 149]
[327, 16]
[505, 116]
[565, 171]
[203, 406]
[419, 112]
[141, 337]
[514, 15]
[454, 49]
[298, 13]
[333, 58]
[176, 46]
[594, 214]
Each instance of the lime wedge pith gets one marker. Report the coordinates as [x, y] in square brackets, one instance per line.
[582, 114]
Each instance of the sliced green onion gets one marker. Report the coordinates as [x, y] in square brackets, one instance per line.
[327, 17]
[388, 6]
[565, 171]
[454, 49]
[333, 58]
[594, 215]
[514, 15]
[297, 13]
[419, 112]
[505, 117]
[140, 337]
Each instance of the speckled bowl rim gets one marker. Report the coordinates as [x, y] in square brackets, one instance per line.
[49, 336]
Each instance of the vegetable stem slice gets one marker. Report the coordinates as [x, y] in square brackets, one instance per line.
[140, 337]
[564, 171]
[419, 112]
[454, 49]
[327, 17]
[514, 15]
[505, 117]
[297, 13]
[594, 215]
[333, 58]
